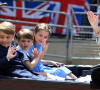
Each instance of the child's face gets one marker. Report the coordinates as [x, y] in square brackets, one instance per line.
[24, 43]
[41, 36]
[5, 39]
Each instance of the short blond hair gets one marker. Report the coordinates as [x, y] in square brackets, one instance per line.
[7, 27]
[25, 33]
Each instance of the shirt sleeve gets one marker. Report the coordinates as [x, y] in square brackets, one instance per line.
[25, 57]
[97, 40]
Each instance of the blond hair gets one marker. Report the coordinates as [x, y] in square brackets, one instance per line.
[25, 33]
[7, 27]
[44, 27]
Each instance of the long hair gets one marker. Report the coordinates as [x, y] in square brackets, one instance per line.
[43, 27]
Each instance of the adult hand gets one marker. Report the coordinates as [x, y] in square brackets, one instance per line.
[93, 19]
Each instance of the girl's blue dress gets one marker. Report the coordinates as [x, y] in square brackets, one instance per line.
[59, 71]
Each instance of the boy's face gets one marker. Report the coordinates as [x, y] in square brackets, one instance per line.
[41, 36]
[5, 39]
[24, 43]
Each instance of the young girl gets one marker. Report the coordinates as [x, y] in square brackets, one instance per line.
[41, 33]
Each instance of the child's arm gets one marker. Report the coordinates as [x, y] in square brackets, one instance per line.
[33, 63]
[45, 48]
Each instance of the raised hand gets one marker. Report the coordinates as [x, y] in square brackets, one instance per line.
[36, 54]
[11, 52]
[93, 19]
[45, 46]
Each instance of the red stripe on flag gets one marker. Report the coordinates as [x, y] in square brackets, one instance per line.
[64, 6]
[18, 27]
[19, 11]
[18, 15]
[38, 8]
[53, 17]
[3, 10]
[99, 17]
[86, 8]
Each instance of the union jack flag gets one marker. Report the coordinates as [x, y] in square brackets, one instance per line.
[30, 15]
[71, 6]
[77, 18]
[68, 6]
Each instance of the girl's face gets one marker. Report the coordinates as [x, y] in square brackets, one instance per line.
[24, 43]
[41, 36]
[6, 39]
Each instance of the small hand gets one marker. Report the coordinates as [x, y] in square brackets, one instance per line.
[45, 46]
[36, 54]
[57, 63]
[11, 52]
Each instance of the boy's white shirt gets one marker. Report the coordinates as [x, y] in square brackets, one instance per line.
[25, 53]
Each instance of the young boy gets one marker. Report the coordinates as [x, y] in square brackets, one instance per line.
[25, 40]
[6, 36]
[10, 64]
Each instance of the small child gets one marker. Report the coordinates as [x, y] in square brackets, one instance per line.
[41, 34]
[25, 40]
[7, 31]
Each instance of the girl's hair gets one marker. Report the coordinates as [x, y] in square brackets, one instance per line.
[25, 33]
[43, 27]
[7, 27]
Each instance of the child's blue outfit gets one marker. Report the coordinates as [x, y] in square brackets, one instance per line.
[59, 71]
[14, 67]
[25, 57]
